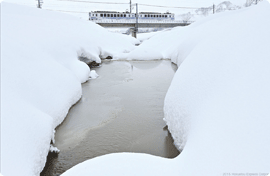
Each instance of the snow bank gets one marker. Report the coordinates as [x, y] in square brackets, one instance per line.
[176, 44]
[131, 164]
[145, 36]
[217, 107]
[167, 44]
[41, 78]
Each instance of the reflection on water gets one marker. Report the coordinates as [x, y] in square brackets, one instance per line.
[121, 111]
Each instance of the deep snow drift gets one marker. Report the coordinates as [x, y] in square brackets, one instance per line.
[217, 107]
[41, 78]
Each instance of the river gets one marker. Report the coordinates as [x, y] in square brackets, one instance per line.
[120, 111]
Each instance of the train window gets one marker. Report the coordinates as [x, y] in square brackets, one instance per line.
[96, 14]
[121, 15]
[125, 15]
[159, 16]
[114, 15]
[165, 16]
[101, 15]
[117, 15]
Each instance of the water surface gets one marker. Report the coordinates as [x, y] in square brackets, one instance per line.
[121, 111]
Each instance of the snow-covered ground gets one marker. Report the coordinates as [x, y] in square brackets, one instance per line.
[41, 78]
[145, 36]
[217, 107]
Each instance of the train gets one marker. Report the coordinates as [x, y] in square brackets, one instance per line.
[113, 15]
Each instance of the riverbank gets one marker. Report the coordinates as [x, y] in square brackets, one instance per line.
[41, 78]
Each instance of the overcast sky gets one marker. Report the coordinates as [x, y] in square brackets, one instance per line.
[84, 7]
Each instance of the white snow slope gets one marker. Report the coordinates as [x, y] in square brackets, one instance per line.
[41, 78]
[217, 107]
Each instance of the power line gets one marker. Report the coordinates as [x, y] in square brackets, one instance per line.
[66, 11]
[94, 2]
[168, 6]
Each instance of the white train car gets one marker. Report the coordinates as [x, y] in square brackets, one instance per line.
[111, 15]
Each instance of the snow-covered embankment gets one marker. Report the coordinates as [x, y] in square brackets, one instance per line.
[41, 78]
[217, 107]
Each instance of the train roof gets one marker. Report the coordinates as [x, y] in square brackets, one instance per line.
[108, 12]
[154, 13]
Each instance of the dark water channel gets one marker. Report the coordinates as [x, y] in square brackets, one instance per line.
[121, 111]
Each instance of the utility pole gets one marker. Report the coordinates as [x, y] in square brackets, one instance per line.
[213, 8]
[39, 6]
[137, 17]
[39, 3]
[130, 7]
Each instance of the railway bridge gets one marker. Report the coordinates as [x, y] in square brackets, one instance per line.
[140, 24]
